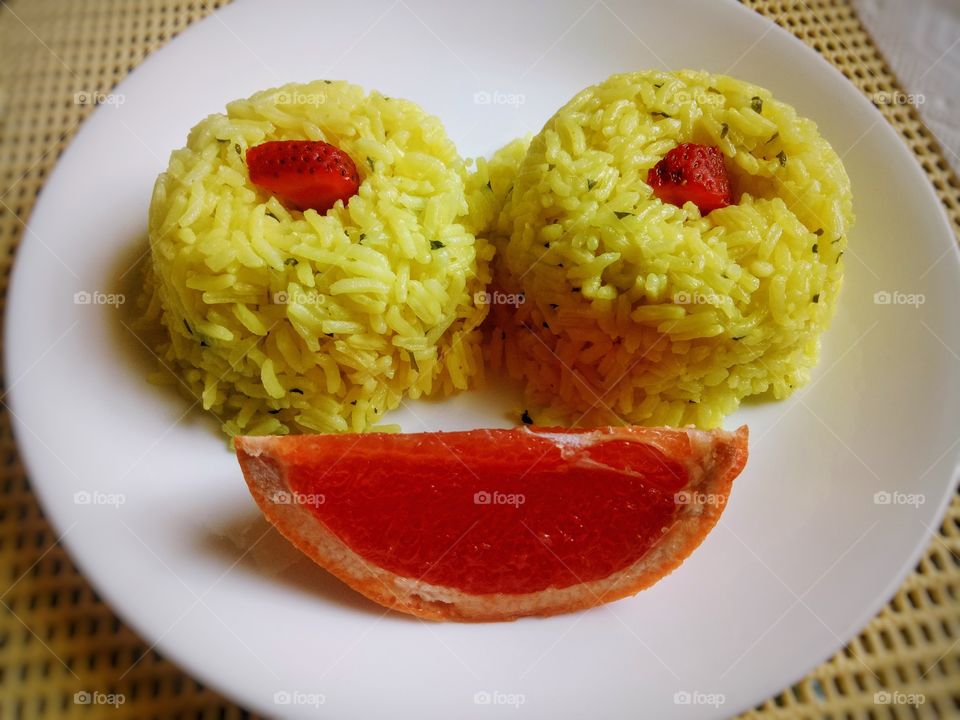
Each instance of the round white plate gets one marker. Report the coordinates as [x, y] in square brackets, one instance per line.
[846, 480]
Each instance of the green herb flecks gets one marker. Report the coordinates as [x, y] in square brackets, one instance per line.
[724, 129]
[782, 157]
[816, 298]
[621, 215]
[292, 262]
[373, 166]
[591, 184]
[436, 245]
[756, 104]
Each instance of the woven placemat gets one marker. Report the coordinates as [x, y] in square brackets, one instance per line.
[57, 638]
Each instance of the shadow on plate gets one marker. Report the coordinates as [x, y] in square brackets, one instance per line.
[248, 541]
[136, 339]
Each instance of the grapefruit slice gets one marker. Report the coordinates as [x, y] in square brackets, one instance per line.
[496, 524]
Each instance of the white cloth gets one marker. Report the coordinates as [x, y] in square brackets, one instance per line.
[920, 40]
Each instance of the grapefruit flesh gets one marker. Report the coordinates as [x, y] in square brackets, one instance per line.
[495, 524]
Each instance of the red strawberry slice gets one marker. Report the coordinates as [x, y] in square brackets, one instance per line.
[303, 173]
[692, 173]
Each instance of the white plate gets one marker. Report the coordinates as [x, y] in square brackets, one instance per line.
[806, 553]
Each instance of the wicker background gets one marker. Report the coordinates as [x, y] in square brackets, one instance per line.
[57, 637]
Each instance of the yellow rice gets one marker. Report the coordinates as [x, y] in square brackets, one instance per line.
[639, 311]
[280, 321]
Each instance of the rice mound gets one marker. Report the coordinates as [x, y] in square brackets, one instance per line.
[280, 321]
[639, 311]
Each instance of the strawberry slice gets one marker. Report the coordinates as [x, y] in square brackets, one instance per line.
[692, 173]
[303, 173]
